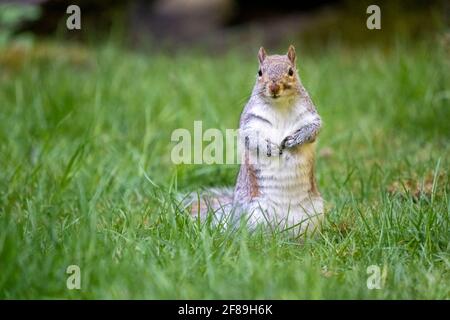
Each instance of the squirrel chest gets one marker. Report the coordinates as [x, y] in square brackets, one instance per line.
[280, 180]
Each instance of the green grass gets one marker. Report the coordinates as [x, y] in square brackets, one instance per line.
[86, 177]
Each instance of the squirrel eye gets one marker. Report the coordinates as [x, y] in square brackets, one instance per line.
[291, 72]
[259, 72]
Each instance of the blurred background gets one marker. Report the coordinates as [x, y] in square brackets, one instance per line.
[222, 24]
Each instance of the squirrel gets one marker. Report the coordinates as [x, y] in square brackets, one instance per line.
[278, 127]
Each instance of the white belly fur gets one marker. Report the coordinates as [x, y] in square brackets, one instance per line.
[284, 196]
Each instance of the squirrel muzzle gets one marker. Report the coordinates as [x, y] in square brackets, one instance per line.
[274, 88]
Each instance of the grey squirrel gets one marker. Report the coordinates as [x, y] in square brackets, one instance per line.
[278, 128]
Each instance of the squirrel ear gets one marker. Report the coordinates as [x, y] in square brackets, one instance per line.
[262, 55]
[291, 54]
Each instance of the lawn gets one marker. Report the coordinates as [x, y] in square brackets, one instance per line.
[86, 177]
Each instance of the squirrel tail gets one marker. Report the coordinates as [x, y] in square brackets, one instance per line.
[217, 201]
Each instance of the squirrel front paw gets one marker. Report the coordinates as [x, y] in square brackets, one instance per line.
[288, 142]
[273, 149]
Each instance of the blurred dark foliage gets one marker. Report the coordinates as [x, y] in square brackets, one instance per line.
[217, 23]
[254, 10]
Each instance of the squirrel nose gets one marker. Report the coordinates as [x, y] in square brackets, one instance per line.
[274, 88]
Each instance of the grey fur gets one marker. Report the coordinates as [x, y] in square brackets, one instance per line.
[251, 180]
[303, 135]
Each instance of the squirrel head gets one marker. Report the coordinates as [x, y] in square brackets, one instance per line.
[277, 75]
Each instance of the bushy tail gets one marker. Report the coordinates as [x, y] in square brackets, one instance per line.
[217, 201]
